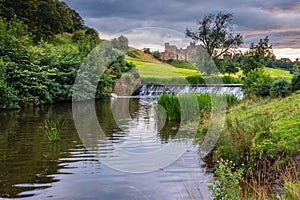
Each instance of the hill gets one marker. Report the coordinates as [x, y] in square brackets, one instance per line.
[152, 70]
[175, 72]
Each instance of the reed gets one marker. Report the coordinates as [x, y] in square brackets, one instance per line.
[53, 129]
[189, 107]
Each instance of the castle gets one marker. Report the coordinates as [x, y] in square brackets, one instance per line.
[172, 52]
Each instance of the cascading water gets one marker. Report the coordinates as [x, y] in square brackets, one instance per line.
[156, 90]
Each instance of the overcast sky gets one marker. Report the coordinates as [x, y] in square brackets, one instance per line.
[254, 19]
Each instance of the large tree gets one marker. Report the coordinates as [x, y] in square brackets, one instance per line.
[259, 55]
[216, 34]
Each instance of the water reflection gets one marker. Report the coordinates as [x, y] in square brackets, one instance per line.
[31, 166]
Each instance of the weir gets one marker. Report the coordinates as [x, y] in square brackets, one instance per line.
[153, 90]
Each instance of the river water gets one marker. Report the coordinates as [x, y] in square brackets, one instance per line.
[32, 167]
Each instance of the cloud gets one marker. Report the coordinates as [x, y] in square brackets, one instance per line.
[285, 8]
[253, 18]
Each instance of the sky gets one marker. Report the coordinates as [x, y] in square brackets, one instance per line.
[254, 19]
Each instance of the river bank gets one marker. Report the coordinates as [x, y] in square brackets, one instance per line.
[258, 149]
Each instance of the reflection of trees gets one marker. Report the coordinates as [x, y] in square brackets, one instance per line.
[26, 155]
[169, 131]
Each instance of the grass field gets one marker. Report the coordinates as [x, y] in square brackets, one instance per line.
[161, 70]
[279, 73]
[151, 70]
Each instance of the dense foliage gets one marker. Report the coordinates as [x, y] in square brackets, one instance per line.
[44, 18]
[34, 73]
[216, 32]
[257, 83]
[296, 82]
[280, 88]
[258, 56]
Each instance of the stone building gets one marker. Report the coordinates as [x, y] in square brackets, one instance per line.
[172, 52]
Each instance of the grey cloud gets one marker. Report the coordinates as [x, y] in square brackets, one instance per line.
[113, 16]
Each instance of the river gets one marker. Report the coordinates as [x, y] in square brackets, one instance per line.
[32, 167]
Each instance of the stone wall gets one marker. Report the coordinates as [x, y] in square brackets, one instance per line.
[172, 52]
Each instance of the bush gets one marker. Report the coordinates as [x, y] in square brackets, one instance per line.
[132, 54]
[280, 88]
[296, 81]
[257, 83]
[231, 80]
[227, 183]
[195, 80]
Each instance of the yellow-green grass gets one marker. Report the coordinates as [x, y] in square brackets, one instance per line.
[149, 69]
[274, 73]
[141, 56]
[161, 70]
[279, 73]
[188, 72]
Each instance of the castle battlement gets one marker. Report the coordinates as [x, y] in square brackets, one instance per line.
[172, 52]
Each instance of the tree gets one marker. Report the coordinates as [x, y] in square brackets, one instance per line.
[296, 66]
[216, 34]
[259, 55]
[120, 43]
[157, 55]
[44, 18]
[147, 50]
[261, 50]
[227, 65]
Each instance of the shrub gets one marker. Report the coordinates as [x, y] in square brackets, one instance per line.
[132, 54]
[280, 88]
[231, 80]
[291, 190]
[195, 80]
[296, 81]
[256, 82]
[226, 185]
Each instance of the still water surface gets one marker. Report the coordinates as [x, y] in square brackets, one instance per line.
[31, 167]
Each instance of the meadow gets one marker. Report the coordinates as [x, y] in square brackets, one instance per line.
[152, 71]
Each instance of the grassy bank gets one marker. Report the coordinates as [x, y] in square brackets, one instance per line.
[260, 140]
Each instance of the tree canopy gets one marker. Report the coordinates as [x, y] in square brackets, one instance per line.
[216, 34]
[44, 18]
[42, 46]
[259, 55]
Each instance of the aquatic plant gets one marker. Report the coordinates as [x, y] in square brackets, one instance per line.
[53, 129]
[182, 107]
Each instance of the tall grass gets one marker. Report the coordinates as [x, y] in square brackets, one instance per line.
[189, 107]
[263, 137]
[53, 129]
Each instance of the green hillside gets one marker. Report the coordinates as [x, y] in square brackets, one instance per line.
[279, 73]
[152, 70]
